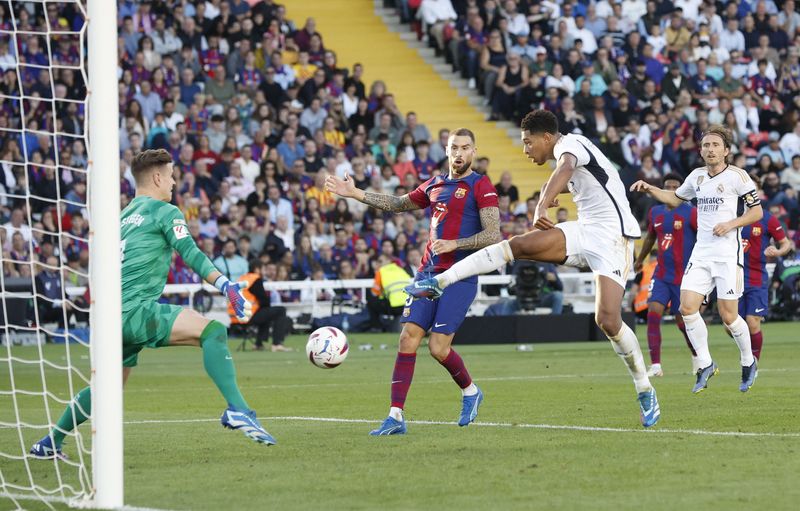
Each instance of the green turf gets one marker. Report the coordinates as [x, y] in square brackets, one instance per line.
[198, 465]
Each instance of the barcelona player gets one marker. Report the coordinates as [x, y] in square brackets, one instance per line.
[464, 218]
[754, 302]
[675, 230]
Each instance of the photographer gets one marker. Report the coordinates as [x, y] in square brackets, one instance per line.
[537, 285]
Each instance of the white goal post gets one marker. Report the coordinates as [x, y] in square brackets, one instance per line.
[105, 274]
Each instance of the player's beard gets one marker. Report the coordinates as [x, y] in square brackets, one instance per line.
[459, 170]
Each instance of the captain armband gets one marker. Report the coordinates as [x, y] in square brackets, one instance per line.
[751, 199]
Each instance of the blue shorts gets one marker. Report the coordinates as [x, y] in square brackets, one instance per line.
[445, 314]
[665, 294]
[754, 302]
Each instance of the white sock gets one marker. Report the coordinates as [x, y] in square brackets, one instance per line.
[396, 413]
[470, 391]
[627, 347]
[483, 261]
[741, 334]
[698, 333]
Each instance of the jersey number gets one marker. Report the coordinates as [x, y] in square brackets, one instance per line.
[122, 250]
[666, 242]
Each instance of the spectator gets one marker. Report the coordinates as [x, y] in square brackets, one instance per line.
[506, 187]
[230, 263]
[279, 207]
[219, 89]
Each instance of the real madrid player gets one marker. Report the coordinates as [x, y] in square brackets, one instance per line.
[717, 258]
[601, 239]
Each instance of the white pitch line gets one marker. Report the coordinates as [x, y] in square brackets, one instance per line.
[562, 427]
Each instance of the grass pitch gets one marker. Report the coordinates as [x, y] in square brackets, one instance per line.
[558, 430]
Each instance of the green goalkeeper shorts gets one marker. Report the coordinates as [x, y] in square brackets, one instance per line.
[147, 326]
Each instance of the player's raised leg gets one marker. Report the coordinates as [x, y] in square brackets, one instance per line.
[729, 312]
[192, 329]
[410, 339]
[608, 315]
[547, 246]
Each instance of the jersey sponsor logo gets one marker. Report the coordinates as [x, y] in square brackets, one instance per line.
[730, 292]
[180, 232]
[438, 215]
[460, 193]
[756, 231]
[656, 225]
[490, 194]
[617, 273]
[759, 310]
[179, 221]
[135, 219]
[709, 204]
[677, 224]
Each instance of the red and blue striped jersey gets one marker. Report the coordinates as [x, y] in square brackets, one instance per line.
[676, 231]
[455, 205]
[755, 239]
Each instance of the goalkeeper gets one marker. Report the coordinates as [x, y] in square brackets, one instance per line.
[150, 229]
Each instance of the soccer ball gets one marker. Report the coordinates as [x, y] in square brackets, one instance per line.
[327, 347]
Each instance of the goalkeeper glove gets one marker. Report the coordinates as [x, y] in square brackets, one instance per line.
[233, 292]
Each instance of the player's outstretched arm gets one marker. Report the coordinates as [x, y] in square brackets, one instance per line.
[347, 188]
[174, 227]
[558, 181]
[667, 197]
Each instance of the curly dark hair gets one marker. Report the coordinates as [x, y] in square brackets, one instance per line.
[540, 121]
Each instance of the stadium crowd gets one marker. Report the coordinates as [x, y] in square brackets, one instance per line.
[257, 110]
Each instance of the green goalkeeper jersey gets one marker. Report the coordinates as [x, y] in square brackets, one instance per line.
[150, 229]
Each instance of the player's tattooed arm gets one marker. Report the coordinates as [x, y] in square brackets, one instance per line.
[389, 203]
[490, 221]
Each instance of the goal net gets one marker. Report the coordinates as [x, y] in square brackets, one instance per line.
[54, 231]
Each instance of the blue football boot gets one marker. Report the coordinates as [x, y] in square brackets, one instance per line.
[650, 412]
[44, 450]
[469, 408]
[703, 375]
[247, 423]
[390, 426]
[749, 374]
[426, 288]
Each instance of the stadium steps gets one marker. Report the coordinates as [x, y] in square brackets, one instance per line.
[364, 31]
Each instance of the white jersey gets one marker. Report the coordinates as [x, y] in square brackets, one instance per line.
[597, 189]
[720, 198]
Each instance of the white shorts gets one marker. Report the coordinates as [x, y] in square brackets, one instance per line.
[703, 276]
[605, 253]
